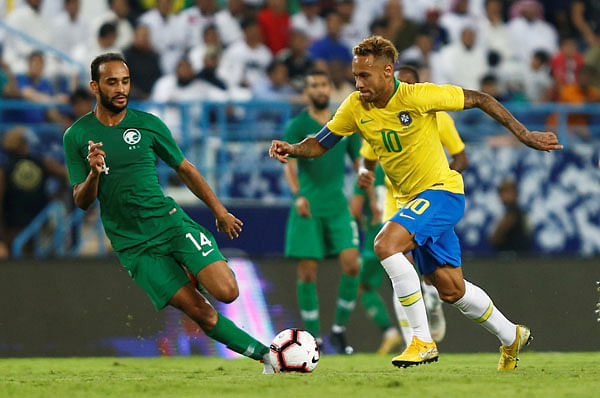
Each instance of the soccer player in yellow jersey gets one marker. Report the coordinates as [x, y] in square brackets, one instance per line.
[399, 121]
[452, 143]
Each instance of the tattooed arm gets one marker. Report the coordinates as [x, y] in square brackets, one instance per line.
[543, 141]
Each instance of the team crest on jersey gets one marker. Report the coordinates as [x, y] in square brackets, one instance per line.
[405, 118]
[132, 136]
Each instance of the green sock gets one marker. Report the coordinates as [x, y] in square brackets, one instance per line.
[376, 309]
[309, 307]
[236, 339]
[346, 299]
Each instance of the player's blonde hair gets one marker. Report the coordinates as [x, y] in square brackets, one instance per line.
[378, 46]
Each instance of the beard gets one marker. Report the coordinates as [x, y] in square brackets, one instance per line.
[320, 103]
[107, 103]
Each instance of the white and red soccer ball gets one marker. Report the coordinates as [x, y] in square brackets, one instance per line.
[294, 350]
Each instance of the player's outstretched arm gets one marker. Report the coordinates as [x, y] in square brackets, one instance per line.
[86, 192]
[308, 148]
[543, 141]
[226, 222]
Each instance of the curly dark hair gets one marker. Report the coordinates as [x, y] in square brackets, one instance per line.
[378, 46]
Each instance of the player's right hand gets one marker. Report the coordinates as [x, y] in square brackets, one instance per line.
[96, 157]
[303, 207]
[230, 225]
[366, 178]
[280, 150]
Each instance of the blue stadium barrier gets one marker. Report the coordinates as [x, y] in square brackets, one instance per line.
[54, 212]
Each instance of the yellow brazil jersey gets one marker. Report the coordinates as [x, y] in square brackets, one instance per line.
[451, 141]
[404, 135]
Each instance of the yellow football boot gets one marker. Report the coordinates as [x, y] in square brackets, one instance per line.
[509, 354]
[416, 353]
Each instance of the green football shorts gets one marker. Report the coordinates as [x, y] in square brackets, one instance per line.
[320, 236]
[156, 265]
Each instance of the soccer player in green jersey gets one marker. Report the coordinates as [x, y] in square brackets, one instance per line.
[366, 206]
[110, 155]
[320, 223]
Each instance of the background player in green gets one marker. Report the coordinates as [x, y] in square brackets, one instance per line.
[110, 155]
[320, 223]
[366, 206]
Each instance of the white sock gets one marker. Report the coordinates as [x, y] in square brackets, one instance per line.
[407, 287]
[338, 329]
[405, 329]
[478, 306]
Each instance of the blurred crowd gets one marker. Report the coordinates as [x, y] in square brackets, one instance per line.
[523, 50]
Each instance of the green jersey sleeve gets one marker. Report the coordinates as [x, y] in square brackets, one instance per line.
[77, 166]
[293, 134]
[165, 146]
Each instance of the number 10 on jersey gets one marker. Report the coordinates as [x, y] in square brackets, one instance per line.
[391, 141]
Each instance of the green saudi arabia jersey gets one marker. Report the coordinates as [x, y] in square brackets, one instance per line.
[380, 191]
[322, 179]
[133, 206]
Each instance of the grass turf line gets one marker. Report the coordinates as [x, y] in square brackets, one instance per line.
[362, 375]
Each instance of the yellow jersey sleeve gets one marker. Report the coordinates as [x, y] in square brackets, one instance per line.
[343, 122]
[367, 152]
[448, 134]
[428, 97]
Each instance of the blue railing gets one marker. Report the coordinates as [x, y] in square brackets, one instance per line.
[228, 143]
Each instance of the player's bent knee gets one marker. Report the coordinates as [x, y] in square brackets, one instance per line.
[384, 248]
[227, 292]
[392, 239]
[452, 295]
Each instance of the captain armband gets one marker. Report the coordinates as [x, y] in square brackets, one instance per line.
[328, 138]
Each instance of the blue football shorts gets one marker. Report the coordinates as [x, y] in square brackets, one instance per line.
[431, 216]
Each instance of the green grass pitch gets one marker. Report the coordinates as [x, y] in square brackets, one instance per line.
[362, 375]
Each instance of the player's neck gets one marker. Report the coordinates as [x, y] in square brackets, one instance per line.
[382, 101]
[107, 117]
[320, 115]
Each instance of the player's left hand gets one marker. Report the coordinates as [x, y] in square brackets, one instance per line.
[230, 225]
[542, 140]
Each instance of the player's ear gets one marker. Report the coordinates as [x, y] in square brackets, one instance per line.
[94, 86]
[388, 70]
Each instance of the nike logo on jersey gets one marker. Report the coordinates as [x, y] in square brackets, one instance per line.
[424, 354]
[204, 254]
[404, 215]
[366, 121]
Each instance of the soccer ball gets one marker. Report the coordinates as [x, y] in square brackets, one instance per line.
[294, 350]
